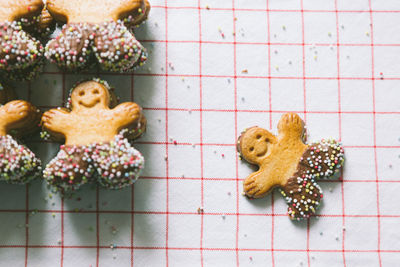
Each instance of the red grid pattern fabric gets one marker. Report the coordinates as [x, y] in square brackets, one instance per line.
[215, 68]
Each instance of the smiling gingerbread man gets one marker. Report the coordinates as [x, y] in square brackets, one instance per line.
[96, 139]
[18, 164]
[286, 162]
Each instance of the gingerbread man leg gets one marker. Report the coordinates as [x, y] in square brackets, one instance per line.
[20, 54]
[302, 193]
[118, 164]
[129, 52]
[71, 49]
[70, 169]
[18, 165]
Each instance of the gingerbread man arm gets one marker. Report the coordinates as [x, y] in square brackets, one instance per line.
[291, 126]
[14, 113]
[126, 114]
[254, 189]
[138, 9]
[56, 120]
[59, 9]
[15, 9]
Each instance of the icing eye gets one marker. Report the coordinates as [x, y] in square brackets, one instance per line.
[81, 93]
[251, 149]
[258, 136]
[95, 92]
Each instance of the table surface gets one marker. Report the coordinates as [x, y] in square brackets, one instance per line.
[215, 68]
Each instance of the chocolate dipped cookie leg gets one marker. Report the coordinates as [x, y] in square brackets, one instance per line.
[101, 28]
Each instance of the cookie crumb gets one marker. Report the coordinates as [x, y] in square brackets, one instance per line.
[200, 210]
[245, 71]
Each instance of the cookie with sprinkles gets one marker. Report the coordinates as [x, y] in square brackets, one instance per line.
[18, 164]
[97, 147]
[97, 30]
[285, 161]
[21, 55]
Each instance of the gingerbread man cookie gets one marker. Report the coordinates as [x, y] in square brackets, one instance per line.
[285, 161]
[20, 53]
[97, 28]
[18, 164]
[96, 137]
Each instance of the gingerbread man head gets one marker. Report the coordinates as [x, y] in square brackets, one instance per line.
[96, 139]
[21, 54]
[285, 161]
[17, 118]
[99, 29]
